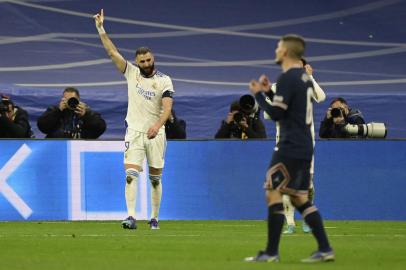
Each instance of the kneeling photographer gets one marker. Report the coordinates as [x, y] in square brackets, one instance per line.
[242, 122]
[71, 119]
[13, 120]
[343, 122]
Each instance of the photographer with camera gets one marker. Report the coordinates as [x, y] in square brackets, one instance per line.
[175, 128]
[13, 120]
[71, 119]
[338, 115]
[242, 122]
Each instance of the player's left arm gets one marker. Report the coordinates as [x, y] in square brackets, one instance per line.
[274, 108]
[167, 102]
[318, 93]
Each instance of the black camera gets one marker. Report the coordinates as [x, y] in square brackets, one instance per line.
[337, 112]
[72, 103]
[238, 116]
[248, 106]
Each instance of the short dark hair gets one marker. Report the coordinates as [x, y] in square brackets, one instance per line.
[295, 45]
[142, 50]
[71, 90]
[340, 99]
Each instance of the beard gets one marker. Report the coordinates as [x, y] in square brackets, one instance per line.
[147, 72]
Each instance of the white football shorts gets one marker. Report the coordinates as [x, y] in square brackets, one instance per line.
[138, 146]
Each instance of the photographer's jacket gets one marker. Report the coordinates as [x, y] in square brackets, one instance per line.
[330, 130]
[66, 124]
[175, 129]
[255, 130]
[19, 127]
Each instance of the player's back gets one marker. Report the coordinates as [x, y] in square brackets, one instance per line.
[295, 88]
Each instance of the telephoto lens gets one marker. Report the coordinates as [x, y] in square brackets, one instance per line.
[248, 104]
[336, 112]
[72, 103]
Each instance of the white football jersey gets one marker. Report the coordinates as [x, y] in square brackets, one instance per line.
[145, 98]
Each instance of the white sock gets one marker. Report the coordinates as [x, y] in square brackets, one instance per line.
[156, 195]
[131, 190]
[289, 210]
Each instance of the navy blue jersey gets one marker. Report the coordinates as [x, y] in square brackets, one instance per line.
[294, 90]
[292, 109]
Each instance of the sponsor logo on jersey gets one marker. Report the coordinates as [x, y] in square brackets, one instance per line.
[148, 95]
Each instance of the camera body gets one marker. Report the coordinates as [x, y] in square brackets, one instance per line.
[370, 130]
[72, 103]
[337, 112]
[238, 116]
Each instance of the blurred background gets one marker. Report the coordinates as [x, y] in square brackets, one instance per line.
[211, 49]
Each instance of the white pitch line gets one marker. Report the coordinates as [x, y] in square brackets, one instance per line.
[135, 234]
[73, 235]
[353, 235]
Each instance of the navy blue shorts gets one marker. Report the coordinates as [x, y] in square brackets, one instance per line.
[288, 175]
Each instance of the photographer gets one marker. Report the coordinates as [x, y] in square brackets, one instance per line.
[71, 119]
[241, 123]
[337, 117]
[13, 120]
[175, 128]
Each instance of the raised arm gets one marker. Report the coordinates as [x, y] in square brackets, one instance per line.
[112, 51]
[318, 93]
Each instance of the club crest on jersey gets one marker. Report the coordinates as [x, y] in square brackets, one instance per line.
[155, 85]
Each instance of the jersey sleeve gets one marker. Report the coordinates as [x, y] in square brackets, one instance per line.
[131, 71]
[168, 88]
[318, 94]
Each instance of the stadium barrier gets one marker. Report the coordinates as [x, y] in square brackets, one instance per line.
[84, 180]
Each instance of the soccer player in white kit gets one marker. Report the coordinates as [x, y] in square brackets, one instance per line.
[149, 106]
[318, 96]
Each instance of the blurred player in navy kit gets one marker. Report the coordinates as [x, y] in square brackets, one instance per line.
[318, 96]
[289, 172]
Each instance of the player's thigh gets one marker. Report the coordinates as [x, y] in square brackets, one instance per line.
[155, 151]
[134, 153]
[289, 176]
[299, 183]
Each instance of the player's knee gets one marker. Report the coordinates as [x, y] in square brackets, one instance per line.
[155, 180]
[306, 208]
[131, 175]
[276, 208]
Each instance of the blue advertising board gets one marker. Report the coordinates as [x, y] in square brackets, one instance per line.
[84, 180]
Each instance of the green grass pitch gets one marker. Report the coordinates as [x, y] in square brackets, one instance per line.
[190, 245]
